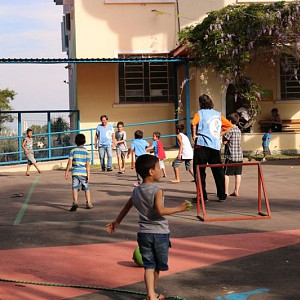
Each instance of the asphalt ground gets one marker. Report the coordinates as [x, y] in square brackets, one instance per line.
[41, 241]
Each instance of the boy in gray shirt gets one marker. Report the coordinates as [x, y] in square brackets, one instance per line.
[153, 234]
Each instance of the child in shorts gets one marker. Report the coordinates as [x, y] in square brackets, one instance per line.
[137, 148]
[79, 160]
[27, 146]
[159, 151]
[153, 234]
[185, 153]
[266, 143]
[233, 154]
[121, 146]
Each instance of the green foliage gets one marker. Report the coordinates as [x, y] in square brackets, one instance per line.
[229, 39]
[6, 96]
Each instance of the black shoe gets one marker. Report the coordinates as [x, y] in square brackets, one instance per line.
[109, 169]
[222, 199]
[74, 207]
[194, 200]
[103, 170]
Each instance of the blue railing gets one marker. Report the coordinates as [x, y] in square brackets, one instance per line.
[50, 153]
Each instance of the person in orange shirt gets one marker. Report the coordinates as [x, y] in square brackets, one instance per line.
[207, 126]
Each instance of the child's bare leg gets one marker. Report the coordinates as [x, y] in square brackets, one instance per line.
[119, 163]
[151, 277]
[191, 172]
[226, 184]
[164, 172]
[89, 204]
[123, 164]
[28, 170]
[238, 179]
[36, 166]
[75, 196]
[88, 196]
[176, 173]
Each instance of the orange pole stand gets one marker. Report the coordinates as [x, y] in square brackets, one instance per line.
[261, 187]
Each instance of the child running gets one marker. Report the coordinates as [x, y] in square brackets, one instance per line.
[79, 160]
[137, 148]
[27, 146]
[185, 153]
[121, 146]
[159, 151]
[153, 234]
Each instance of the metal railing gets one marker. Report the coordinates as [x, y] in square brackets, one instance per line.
[62, 151]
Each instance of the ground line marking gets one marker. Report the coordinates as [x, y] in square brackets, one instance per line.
[26, 202]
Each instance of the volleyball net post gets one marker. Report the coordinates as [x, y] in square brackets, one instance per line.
[201, 209]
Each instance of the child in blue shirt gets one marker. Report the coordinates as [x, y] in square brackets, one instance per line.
[79, 160]
[138, 147]
[265, 143]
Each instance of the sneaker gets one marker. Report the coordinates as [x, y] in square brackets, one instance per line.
[109, 169]
[89, 205]
[263, 160]
[74, 207]
[222, 199]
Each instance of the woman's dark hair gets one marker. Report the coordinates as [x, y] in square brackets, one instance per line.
[80, 139]
[205, 102]
[138, 134]
[145, 163]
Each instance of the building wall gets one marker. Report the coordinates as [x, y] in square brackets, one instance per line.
[104, 30]
[96, 91]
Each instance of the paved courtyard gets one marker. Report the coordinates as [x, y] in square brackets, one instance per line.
[43, 242]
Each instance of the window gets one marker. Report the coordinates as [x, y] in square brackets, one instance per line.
[149, 82]
[290, 80]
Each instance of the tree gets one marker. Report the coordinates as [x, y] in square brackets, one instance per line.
[229, 39]
[6, 96]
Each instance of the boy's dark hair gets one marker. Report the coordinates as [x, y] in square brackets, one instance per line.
[144, 164]
[80, 139]
[138, 134]
[274, 110]
[234, 118]
[28, 130]
[205, 102]
[120, 123]
[157, 134]
[180, 127]
[103, 116]
[269, 129]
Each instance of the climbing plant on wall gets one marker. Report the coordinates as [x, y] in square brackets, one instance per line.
[227, 40]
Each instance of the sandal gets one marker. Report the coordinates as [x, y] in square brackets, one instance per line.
[159, 297]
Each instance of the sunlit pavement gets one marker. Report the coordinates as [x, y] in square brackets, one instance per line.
[42, 241]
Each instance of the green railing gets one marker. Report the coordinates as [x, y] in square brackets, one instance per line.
[55, 150]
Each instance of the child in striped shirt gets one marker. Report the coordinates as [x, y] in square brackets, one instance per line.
[79, 160]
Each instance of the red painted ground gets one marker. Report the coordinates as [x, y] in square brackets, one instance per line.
[110, 264]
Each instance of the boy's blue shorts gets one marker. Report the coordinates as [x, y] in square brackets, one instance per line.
[154, 248]
[79, 181]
